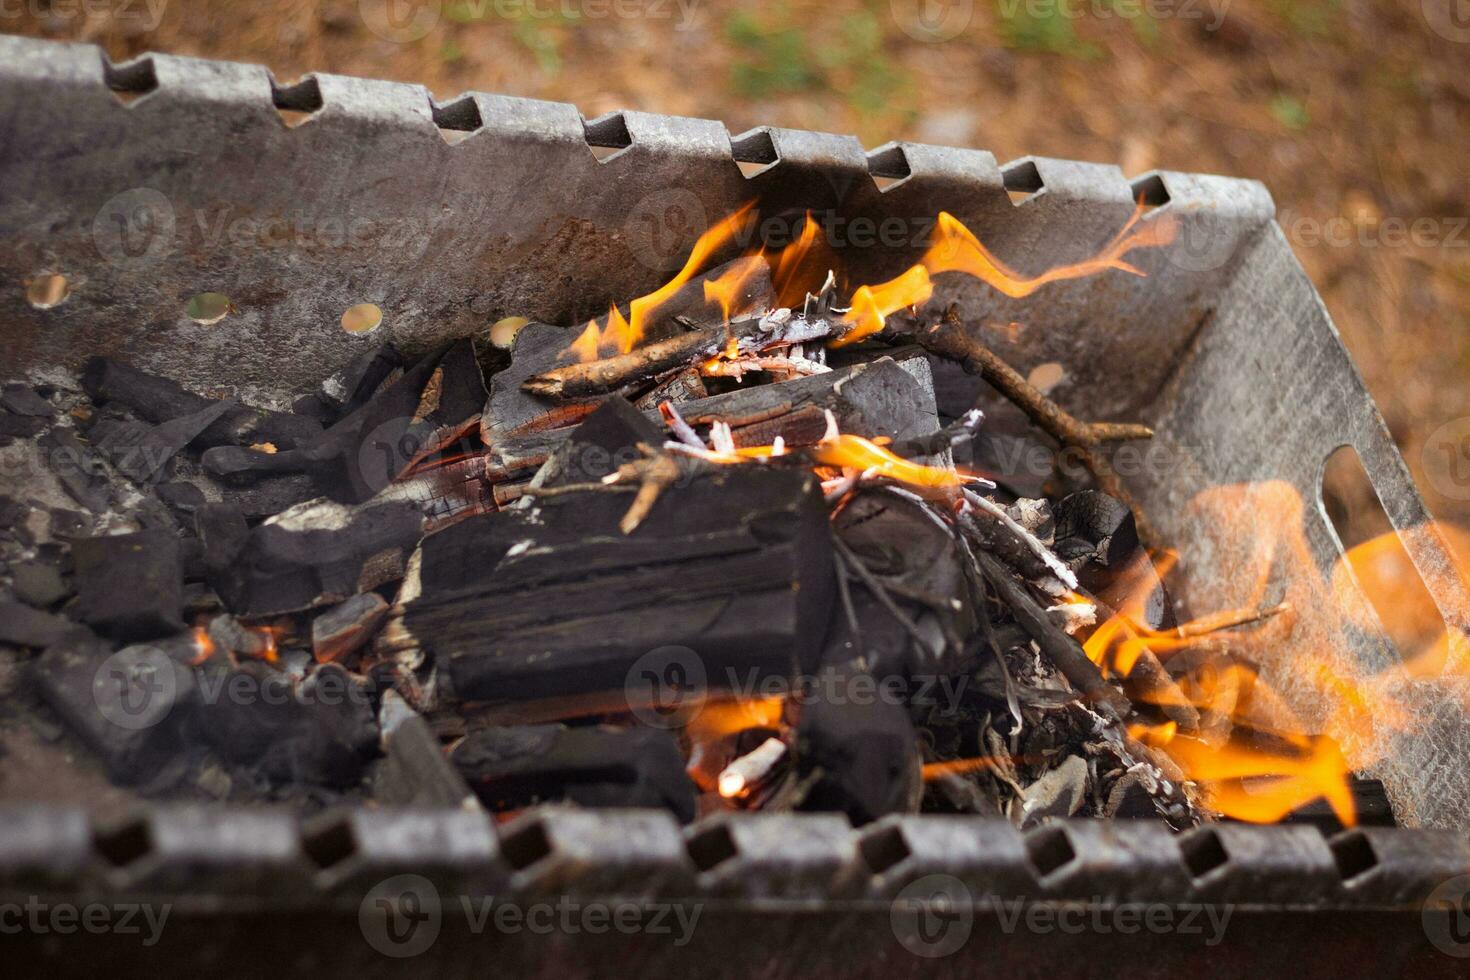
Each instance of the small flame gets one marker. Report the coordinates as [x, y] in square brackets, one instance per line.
[958, 250]
[725, 289]
[855, 452]
[801, 267]
[621, 334]
[203, 645]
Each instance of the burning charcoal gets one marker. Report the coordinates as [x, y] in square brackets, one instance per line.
[1058, 793]
[38, 584]
[317, 553]
[77, 467]
[1091, 526]
[879, 399]
[140, 452]
[26, 627]
[127, 707]
[19, 399]
[602, 442]
[343, 629]
[860, 748]
[230, 635]
[160, 400]
[415, 769]
[242, 465]
[513, 768]
[555, 601]
[129, 586]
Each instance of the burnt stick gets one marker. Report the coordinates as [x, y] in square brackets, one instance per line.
[1060, 648]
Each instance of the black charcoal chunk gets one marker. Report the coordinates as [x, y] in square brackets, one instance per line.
[602, 442]
[38, 584]
[368, 449]
[859, 745]
[345, 628]
[158, 400]
[416, 770]
[1092, 526]
[320, 732]
[20, 426]
[142, 452]
[26, 627]
[130, 586]
[320, 552]
[78, 468]
[20, 399]
[127, 707]
[183, 497]
[349, 389]
[733, 566]
[515, 767]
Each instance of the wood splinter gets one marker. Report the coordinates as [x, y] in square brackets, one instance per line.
[949, 339]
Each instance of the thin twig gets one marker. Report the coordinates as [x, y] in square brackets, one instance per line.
[948, 338]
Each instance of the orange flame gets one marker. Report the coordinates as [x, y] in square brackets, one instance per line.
[958, 250]
[801, 267]
[621, 334]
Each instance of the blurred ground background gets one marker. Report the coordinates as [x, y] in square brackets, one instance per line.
[1355, 114]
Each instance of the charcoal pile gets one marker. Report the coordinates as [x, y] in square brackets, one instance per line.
[722, 549]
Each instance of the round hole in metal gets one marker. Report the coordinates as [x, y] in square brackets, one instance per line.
[208, 308]
[361, 318]
[47, 290]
